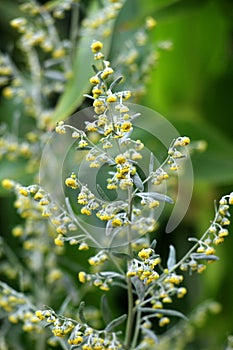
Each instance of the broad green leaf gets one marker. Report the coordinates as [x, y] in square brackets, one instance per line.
[215, 164]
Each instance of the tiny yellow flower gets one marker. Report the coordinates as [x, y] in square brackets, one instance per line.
[8, 92]
[59, 241]
[58, 53]
[71, 182]
[86, 211]
[223, 233]
[126, 95]
[91, 127]
[17, 231]
[150, 22]
[106, 72]
[120, 159]
[167, 300]
[231, 199]
[18, 22]
[104, 287]
[23, 191]
[209, 251]
[126, 126]
[131, 273]
[145, 253]
[82, 276]
[82, 144]
[83, 246]
[164, 321]
[117, 222]
[12, 318]
[201, 268]
[7, 184]
[40, 315]
[94, 80]
[111, 98]
[181, 292]
[96, 46]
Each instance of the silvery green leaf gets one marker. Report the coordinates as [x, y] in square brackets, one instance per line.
[138, 182]
[166, 312]
[139, 287]
[125, 137]
[202, 256]
[156, 196]
[106, 312]
[171, 261]
[116, 322]
[80, 312]
[153, 244]
[109, 228]
[151, 164]
[54, 74]
[115, 82]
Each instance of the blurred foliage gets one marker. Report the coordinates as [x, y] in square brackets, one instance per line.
[191, 86]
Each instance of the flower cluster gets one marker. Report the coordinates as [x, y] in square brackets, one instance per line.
[78, 333]
[137, 59]
[100, 22]
[158, 285]
[205, 248]
[18, 308]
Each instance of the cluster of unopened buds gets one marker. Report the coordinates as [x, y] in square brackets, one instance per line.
[78, 333]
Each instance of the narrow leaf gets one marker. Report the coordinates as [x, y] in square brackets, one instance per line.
[151, 164]
[139, 287]
[155, 195]
[80, 312]
[116, 322]
[171, 261]
[138, 182]
[166, 312]
[115, 82]
[153, 244]
[200, 256]
[105, 309]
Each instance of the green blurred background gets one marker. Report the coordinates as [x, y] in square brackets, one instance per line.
[192, 86]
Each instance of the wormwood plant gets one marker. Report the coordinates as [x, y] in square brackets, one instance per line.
[124, 255]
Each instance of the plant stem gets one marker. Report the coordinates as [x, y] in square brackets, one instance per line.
[129, 326]
[130, 319]
[137, 329]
